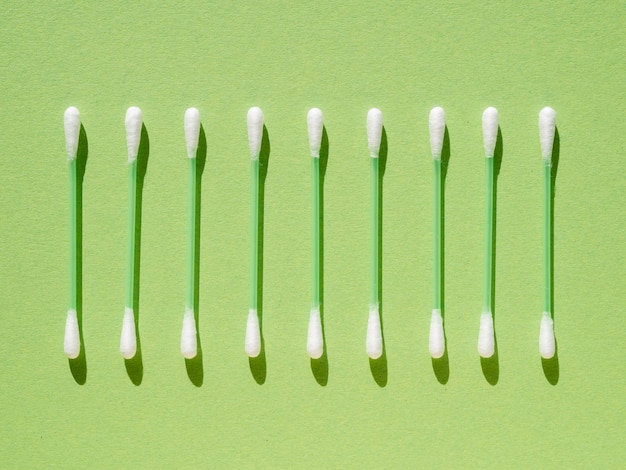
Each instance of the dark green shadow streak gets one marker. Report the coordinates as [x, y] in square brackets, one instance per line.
[441, 366]
[194, 366]
[78, 365]
[378, 367]
[258, 365]
[551, 366]
[491, 365]
[319, 367]
[134, 366]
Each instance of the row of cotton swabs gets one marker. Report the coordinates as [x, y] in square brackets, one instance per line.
[315, 341]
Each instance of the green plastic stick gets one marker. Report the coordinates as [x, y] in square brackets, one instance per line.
[374, 229]
[254, 234]
[73, 224]
[488, 266]
[191, 233]
[130, 242]
[437, 235]
[547, 237]
[316, 255]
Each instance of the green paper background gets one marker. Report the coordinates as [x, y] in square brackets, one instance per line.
[404, 58]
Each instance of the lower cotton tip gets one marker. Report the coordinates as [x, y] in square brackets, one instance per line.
[188, 340]
[128, 339]
[486, 341]
[71, 342]
[547, 346]
[436, 340]
[315, 338]
[374, 338]
[253, 334]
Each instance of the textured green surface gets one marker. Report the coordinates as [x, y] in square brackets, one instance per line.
[404, 59]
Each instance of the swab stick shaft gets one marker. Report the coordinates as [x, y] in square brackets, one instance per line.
[488, 268]
[547, 236]
[191, 233]
[254, 229]
[437, 235]
[316, 268]
[130, 246]
[73, 247]
[374, 229]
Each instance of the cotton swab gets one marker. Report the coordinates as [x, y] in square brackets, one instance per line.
[374, 338]
[255, 137]
[128, 339]
[486, 340]
[188, 338]
[437, 127]
[315, 338]
[547, 117]
[71, 342]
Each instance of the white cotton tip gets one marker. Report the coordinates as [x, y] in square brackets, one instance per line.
[437, 128]
[253, 334]
[374, 131]
[133, 123]
[547, 346]
[71, 121]
[128, 339]
[436, 339]
[486, 341]
[188, 340]
[315, 337]
[547, 118]
[490, 130]
[71, 342]
[374, 338]
[192, 131]
[255, 131]
[315, 123]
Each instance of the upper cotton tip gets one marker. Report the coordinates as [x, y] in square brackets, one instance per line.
[133, 123]
[192, 131]
[437, 128]
[490, 130]
[547, 118]
[71, 121]
[374, 131]
[255, 131]
[315, 124]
